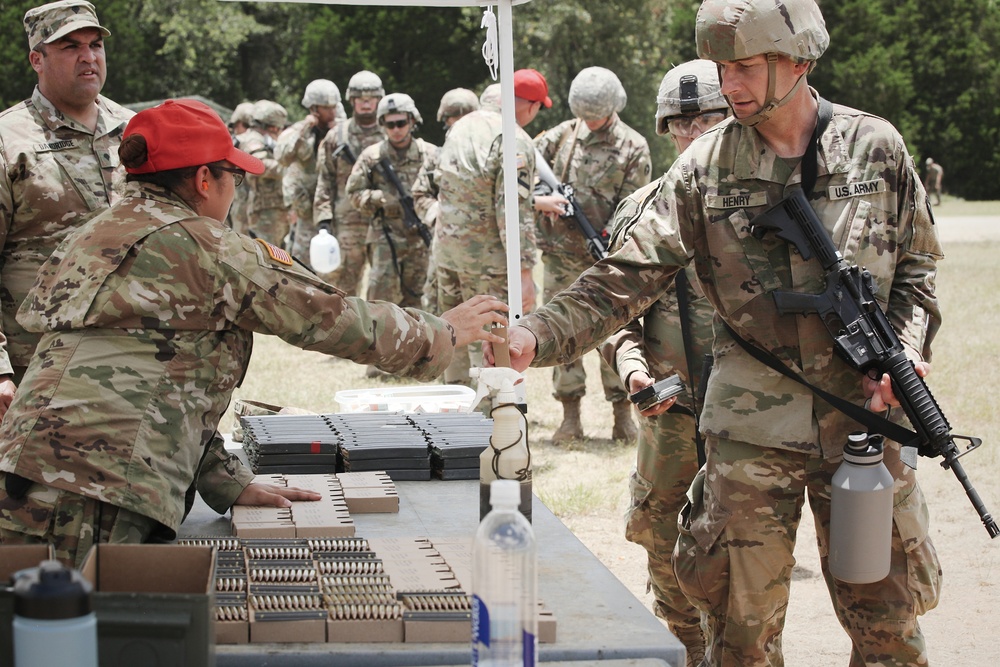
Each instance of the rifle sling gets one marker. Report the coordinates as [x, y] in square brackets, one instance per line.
[684, 310]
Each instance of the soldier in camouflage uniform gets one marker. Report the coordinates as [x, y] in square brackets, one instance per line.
[604, 160]
[332, 207]
[239, 124]
[470, 242]
[115, 422]
[267, 214]
[296, 150]
[454, 104]
[770, 442]
[398, 254]
[58, 156]
[689, 101]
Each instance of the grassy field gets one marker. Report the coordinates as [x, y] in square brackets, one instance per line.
[586, 484]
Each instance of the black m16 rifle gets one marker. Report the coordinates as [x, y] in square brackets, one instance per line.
[863, 335]
[347, 152]
[595, 242]
[410, 217]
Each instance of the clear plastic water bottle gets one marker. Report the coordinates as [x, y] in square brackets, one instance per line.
[53, 620]
[861, 513]
[324, 252]
[504, 584]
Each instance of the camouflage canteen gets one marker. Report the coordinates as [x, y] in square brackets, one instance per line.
[689, 89]
[269, 114]
[55, 20]
[738, 29]
[457, 102]
[397, 103]
[365, 84]
[596, 93]
[321, 93]
[243, 113]
[490, 96]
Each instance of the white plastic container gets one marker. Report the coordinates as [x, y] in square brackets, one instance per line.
[53, 620]
[324, 252]
[416, 398]
[504, 584]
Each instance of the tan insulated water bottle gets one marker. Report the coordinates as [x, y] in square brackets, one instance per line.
[861, 513]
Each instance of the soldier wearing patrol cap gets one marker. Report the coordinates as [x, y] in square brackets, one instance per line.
[604, 160]
[769, 440]
[115, 422]
[339, 149]
[58, 154]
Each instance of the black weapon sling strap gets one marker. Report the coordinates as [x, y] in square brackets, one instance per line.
[684, 310]
[874, 422]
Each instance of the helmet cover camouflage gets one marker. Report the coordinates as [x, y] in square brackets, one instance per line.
[689, 89]
[365, 84]
[397, 103]
[738, 29]
[243, 113]
[457, 102]
[596, 93]
[321, 93]
[490, 97]
[269, 114]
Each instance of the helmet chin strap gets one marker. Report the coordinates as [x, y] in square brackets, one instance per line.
[770, 104]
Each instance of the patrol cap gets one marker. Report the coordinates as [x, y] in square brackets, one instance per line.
[530, 85]
[52, 21]
[185, 133]
[688, 89]
[596, 93]
[738, 29]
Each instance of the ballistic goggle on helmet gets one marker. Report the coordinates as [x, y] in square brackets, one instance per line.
[689, 90]
[365, 84]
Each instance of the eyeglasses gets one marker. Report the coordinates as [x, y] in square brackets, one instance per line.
[238, 174]
[691, 126]
[394, 124]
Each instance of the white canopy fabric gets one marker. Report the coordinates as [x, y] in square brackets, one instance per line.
[505, 32]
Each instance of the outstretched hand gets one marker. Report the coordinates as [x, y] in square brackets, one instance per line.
[522, 345]
[274, 496]
[470, 320]
[879, 392]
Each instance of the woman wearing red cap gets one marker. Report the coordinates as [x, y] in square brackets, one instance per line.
[147, 314]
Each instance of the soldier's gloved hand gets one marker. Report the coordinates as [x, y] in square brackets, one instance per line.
[376, 199]
[325, 224]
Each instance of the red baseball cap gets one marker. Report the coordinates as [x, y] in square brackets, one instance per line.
[186, 133]
[530, 85]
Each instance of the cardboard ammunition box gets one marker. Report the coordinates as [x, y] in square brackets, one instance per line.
[13, 558]
[154, 604]
[299, 630]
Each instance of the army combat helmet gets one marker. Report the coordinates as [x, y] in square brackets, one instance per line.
[365, 84]
[397, 103]
[596, 93]
[269, 114]
[738, 29]
[689, 89]
[243, 113]
[321, 93]
[457, 102]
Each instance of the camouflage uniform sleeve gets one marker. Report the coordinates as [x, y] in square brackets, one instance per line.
[360, 185]
[6, 213]
[221, 477]
[612, 292]
[293, 144]
[525, 183]
[913, 308]
[326, 179]
[424, 190]
[624, 352]
[637, 170]
[266, 293]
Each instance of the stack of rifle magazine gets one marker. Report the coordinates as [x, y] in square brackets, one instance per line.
[382, 441]
[456, 440]
[407, 447]
[292, 444]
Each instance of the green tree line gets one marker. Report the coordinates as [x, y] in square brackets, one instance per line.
[931, 68]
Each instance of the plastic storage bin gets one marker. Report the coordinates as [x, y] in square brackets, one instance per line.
[420, 398]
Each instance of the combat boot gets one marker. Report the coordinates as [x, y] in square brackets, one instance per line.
[624, 428]
[571, 428]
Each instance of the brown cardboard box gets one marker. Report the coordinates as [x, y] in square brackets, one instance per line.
[301, 630]
[153, 599]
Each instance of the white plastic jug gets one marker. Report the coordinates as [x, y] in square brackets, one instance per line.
[324, 252]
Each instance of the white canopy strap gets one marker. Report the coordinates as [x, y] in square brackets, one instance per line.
[490, 43]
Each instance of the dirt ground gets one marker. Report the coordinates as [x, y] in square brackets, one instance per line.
[960, 632]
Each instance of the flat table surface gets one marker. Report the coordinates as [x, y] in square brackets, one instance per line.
[597, 618]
